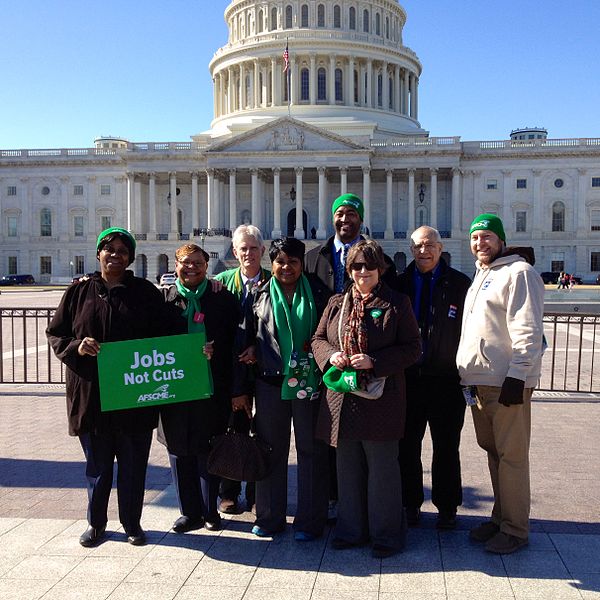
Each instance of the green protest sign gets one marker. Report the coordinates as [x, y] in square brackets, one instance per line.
[162, 370]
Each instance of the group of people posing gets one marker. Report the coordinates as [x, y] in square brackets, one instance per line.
[359, 359]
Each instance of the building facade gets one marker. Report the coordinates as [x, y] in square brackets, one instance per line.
[338, 113]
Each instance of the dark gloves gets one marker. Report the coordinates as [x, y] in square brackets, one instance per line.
[512, 391]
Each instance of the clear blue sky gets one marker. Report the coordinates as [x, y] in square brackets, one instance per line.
[71, 70]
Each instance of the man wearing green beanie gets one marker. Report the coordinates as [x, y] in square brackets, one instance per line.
[328, 263]
[499, 361]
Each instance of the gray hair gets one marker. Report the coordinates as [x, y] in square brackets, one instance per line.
[426, 229]
[250, 230]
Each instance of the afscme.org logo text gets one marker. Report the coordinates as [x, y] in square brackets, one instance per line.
[160, 393]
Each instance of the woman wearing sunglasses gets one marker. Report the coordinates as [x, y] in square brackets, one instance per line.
[366, 334]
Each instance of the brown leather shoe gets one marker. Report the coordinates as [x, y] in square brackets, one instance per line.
[505, 543]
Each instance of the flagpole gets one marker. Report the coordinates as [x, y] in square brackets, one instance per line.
[288, 74]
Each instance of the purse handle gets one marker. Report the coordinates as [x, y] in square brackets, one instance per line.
[231, 424]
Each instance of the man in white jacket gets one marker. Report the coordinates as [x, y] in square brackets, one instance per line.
[499, 361]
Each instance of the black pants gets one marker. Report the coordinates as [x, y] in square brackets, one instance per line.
[230, 489]
[196, 489]
[131, 452]
[439, 402]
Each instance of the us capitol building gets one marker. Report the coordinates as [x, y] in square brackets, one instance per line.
[344, 116]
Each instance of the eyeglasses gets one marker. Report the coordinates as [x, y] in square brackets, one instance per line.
[189, 264]
[358, 266]
[425, 247]
[118, 251]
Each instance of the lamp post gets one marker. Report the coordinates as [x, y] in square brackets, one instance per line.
[421, 193]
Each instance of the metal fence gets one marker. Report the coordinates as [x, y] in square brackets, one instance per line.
[570, 363]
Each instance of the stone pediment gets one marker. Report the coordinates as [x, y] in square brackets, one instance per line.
[287, 135]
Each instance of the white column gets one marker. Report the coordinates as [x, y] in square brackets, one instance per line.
[276, 233]
[322, 230]
[506, 195]
[152, 205]
[174, 230]
[255, 208]
[405, 89]
[242, 87]
[389, 225]
[257, 89]
[312, 86]
[456, 202]
[350, 83]
[62, 216]
[293, 81]
[361, 85]
[369, 83]
[130, 211]
[195, 204]
[232, 199]
[367, 198]
[215, 96]
[434, 199]
[137, 207]
[537, 204]
[397, 88]
[413, 96]
[581, 222]
[343, 180]
[230, 90]
[221, 94]
[385, 87]
[218, 201]
[263, 92]
[416, 99]
[275, 101]
[210, 193]
[299, 231]
[411, 202]
[332, 79]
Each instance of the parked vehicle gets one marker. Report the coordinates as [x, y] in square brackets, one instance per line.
[17, 280]
[79, 278]
[550, 277]
[167, 280]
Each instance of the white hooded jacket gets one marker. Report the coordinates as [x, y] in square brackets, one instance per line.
[502, 328]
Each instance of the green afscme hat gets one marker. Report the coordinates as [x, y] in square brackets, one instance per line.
[343, 382]
[350, 200]
[118, 230]
[488, 222]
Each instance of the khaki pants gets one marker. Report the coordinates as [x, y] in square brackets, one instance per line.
[504, 433]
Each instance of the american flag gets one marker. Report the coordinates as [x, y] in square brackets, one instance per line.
[286, 59]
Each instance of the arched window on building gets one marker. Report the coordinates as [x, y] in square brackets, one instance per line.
[248, 24]
[288, 16]
[241, 26]
[366, 90]
[321, 15]
[391, 88]
[352, 18]
[259, 22]
[356, 78]
[273, 23]
[387, 28]
[305, 85]
[337, 16]
[234, 30]
[558, 216]
[304, 15]
[339, 86]
[366, 21]
[380, 90]
[377, 24]
[46, 222]
[321, 84]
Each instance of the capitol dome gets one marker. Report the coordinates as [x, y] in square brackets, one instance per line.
[348, 70]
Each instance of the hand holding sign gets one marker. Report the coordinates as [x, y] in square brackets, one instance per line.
[88, 346]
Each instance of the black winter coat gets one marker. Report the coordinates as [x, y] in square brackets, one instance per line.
[320, 262]
[448, 300]
[132, 310]
[186, 428]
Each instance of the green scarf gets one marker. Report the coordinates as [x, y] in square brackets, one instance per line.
[295, 328]
[195, 324]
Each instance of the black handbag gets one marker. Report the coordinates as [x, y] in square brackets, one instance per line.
[239, 456]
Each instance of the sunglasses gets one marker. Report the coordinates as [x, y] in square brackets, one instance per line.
[358, 266]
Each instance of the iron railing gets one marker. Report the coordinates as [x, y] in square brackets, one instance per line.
[571, 362]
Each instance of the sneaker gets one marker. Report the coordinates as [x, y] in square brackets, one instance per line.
[260, 532]
[505, 543]
[412, 516]
[446, 520]
[228, 506]
[484, 532]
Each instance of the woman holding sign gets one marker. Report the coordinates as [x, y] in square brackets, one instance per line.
[186, 428]
[279, 324]
[112, 305]
[366, 338]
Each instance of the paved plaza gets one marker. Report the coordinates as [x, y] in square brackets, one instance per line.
[42, 514]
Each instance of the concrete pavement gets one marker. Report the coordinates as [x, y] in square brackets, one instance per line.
[42, 514]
